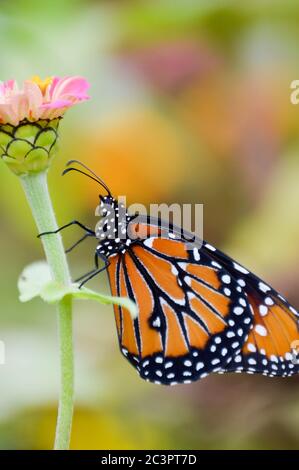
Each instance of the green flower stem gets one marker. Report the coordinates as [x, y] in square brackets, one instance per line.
[36, 189]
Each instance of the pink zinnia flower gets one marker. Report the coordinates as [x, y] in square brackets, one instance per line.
[29, 120]
[40, 99]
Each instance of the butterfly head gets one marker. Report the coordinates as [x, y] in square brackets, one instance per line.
[111, 230]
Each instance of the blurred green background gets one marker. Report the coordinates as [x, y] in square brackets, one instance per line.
[190, 103]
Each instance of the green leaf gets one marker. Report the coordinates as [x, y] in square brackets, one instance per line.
[52, 292]
[36, 281]
[32, 280]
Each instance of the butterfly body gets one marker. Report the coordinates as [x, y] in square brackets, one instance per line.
[112, 229]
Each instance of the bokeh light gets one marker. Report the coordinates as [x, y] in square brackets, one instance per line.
[190, 103]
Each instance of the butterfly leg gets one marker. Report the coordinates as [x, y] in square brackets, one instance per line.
[86, 235]
[91, 275]
[102, 257]
[87, 276]
[74, 222]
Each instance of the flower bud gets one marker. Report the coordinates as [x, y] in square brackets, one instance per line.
[30, 146]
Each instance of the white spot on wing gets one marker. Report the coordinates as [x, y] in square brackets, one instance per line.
[240, 268]
[263, 310]
[238, 310]
[269, 301]
[251, 347]
[215, 361]
[210, 247]
[293, 310]
[251, 361]
[149, 242]
[168, 364]
[261, 330]
[217, 265]
[183, 265]
[263, 287]
[230, 334]
[174, 270]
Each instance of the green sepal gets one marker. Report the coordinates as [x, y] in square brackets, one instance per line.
[37, 160]
[27, 131]
[4, 138]
[15, 165]
[30, 145]
[46, 138]
[18, 149]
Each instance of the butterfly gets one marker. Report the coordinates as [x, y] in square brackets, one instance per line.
[199, 311]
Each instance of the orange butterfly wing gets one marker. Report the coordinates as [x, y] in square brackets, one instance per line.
[273, 343]
[192, 316]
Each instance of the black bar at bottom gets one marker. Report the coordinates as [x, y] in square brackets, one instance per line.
[134, 459]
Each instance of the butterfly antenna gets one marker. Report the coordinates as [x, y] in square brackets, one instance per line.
[67, 170]
[95, 178]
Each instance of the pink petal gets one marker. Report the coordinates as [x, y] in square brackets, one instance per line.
[19, 105]
[9, 85]
[56, 104]
[7, 115]
[33, 104]
[53, 86]
[53, 113]
[67, 87]
[34, 97]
